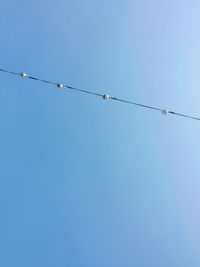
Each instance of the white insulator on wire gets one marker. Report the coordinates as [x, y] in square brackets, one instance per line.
[24, 74]
[106, 96]
[164, 111]
[60, 85]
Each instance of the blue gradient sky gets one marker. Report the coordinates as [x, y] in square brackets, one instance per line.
[84, 182]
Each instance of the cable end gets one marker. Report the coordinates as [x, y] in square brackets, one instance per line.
[60, 85]
[105, 97]
[164, 112]
[23, 74]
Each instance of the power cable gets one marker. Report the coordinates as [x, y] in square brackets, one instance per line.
[103, 96]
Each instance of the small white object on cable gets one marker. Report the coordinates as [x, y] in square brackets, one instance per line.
[23, 74]
[164, 111]
[60, 85]
[106, 96]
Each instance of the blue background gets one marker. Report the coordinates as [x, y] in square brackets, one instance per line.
[87, 182]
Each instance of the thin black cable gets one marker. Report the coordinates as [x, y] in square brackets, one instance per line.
[104, 96]
[135, 104]
[81, 90]
[183, 115]
[10, 72]
[40, 80]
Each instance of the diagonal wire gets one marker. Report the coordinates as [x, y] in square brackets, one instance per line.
[183, 115]
[104, 96]
[135, 104]
[10, 72]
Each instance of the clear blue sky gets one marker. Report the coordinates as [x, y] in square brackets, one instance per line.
[92, 183]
